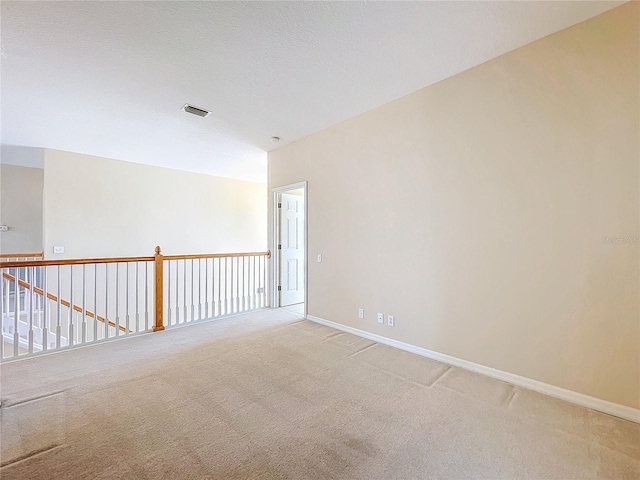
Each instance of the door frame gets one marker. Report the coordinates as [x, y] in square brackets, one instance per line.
[275, 230]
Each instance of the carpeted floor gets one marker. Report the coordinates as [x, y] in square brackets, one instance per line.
[267, 395]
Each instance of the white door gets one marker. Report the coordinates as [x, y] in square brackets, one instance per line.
[291, 249]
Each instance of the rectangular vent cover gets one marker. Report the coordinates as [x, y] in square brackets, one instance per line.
[201, 112]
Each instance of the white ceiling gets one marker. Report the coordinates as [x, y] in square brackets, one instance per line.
[110, 78]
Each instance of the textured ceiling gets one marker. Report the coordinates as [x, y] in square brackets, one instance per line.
[110, 78]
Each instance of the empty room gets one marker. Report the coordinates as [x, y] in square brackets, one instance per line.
[320, 240]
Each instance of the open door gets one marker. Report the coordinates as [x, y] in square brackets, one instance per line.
[291, 248]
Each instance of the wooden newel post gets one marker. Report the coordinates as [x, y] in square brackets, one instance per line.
[159, 288]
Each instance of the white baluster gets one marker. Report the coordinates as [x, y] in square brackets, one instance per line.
[16, 313]
[254, 280]
[106, 301]
[83, 330]
[95, 302]
[126, 325]
[206, 287]
[117, 299]
[146, 295]
[262, 279]
[238, 284]
[45, 310]
[222, 286]
[219, 286]
[192, 305]
[184, 289]
[29, 293]
[237, 297]
[137, 298]
[169, 290]
[226, 284]
[177, 292]
[59, 310]
[244, 290]
[200, 288]
[70, 316]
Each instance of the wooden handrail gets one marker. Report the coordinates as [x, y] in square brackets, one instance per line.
[22, 255]
[74, 261]
[86, 261]
[64, 302]
[218, 255]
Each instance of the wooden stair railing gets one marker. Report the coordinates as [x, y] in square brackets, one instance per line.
[156, 286]
[23, 256]
[64, 302]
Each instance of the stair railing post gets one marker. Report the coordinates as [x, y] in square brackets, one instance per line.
[159, 286]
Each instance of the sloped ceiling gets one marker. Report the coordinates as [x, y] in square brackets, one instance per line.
[110, 78]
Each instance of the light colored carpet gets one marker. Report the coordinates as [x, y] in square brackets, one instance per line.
[266, 395]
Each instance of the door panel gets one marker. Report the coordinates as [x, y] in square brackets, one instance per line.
[292, 249]
[292, 275]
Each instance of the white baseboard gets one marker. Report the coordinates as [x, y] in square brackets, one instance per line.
[615, 409]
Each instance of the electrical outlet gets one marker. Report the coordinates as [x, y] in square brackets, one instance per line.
[391, 320]
[58, 249]
[361, 313]
[381, 318]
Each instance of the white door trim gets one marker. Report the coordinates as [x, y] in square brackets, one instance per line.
[275, 257]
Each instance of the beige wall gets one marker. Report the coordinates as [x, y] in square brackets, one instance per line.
[21, 208]
[474, 210]
[101, 207]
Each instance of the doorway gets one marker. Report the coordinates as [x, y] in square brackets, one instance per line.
[290, 247]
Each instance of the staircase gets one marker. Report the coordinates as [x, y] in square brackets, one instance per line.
[28, 333]
[27, 329]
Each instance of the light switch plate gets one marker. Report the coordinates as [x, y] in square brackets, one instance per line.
[58, 249]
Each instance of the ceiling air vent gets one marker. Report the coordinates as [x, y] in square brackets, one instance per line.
[201, 112]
